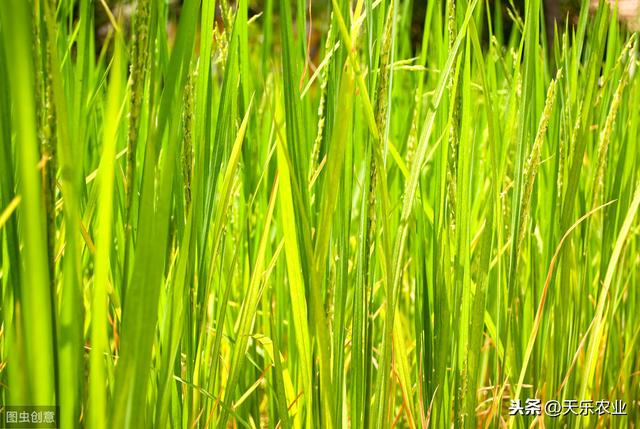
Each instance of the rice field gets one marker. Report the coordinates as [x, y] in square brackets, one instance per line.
[319, 214]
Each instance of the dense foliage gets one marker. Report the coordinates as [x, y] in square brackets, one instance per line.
[312, 215]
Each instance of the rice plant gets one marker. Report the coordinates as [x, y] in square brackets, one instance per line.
[310, 214]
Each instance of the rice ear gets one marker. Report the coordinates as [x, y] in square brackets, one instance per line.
[533, 162]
